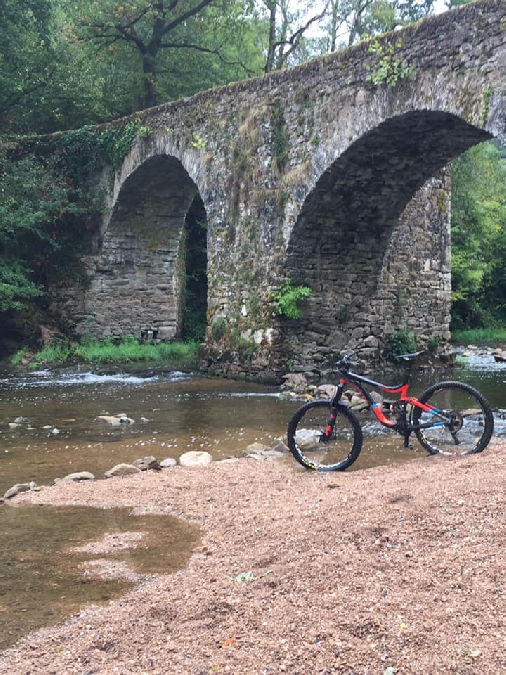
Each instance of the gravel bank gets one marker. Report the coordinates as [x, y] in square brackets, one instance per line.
[391, 570]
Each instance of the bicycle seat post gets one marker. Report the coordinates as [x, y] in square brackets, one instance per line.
[409, 361]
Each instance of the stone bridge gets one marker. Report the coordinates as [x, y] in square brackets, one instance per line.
[313, 174]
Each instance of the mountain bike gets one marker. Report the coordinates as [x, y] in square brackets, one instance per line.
[448, 418]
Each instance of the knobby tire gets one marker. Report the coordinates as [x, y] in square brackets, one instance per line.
[307, 427]
[471, 412]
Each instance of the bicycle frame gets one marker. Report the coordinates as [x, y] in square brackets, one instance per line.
[400, 425]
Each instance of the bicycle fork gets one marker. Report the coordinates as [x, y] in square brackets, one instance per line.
[334, 403]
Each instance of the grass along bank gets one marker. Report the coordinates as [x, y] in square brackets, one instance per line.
[480, 336]
[178, 354]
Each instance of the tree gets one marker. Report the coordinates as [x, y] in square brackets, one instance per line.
[30, 198]
[370, 17]
[26, 59]
[287, 28]
[479, 236]
[349, 21]
[49, 82]
[236, 54]
[158, 36]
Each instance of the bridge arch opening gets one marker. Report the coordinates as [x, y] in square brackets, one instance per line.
[148, 256]
[194, 317]
[372, 239]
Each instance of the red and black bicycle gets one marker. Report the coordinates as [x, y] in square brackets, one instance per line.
[447, 418]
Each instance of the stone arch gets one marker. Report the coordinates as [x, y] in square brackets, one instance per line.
[138, 284]
[376, 225]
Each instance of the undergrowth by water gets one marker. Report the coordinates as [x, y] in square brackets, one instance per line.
[179, 354]
[480, 336]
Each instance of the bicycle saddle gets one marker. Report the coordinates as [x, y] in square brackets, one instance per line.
[410, 357]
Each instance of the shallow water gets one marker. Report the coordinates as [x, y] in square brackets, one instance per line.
[172, 413]
[41, 580]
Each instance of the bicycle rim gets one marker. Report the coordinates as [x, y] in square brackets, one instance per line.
[464, 425]
[307, 443]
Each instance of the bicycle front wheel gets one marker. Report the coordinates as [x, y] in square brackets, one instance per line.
[461, 421]
[310, 446]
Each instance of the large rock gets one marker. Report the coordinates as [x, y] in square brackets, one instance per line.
[262, 452]
[295, 382]
[76, 477]
[195, 458]
[115, 420]
[122, 470]
[168, 463]
[146, 463]
[20, 487]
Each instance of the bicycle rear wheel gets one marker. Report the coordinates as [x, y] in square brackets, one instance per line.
[307, 442]
[463, 422]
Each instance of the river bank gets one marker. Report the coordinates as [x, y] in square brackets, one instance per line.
[393, 569]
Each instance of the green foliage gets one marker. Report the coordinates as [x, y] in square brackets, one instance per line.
[48, 79]
[25, 56]
[218, 329]
[172, 49]
[433, 343]
[16, 286]
[288, 298]
[128, 350]
[197, 142]
[479, 238]
[389, 68]
[480, 336]
[88, 149]
[37, 225]
[380, 16]
[19, 356]
[245, 347]
[58, 352]
[401, 342]
[131, 349]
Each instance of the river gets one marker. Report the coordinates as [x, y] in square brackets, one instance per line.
[59, 433]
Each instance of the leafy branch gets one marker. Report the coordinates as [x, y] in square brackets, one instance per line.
[389, 68]
[287, 299]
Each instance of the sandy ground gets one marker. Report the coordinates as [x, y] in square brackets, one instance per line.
[392, 570]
